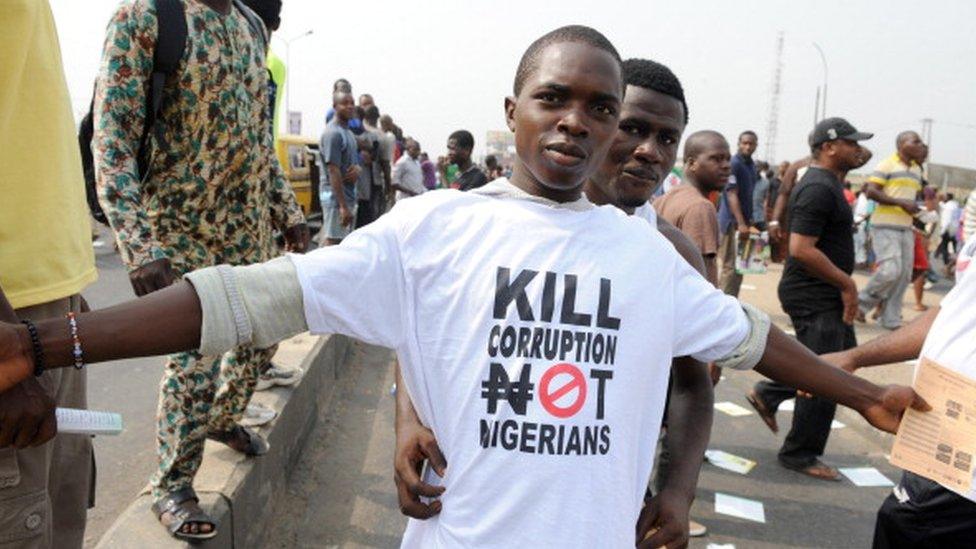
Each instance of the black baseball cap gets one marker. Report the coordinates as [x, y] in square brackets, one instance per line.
[830, 129]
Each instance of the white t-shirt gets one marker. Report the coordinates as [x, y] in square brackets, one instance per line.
[964, 258]
[408, 174]
[952, 339]
[536, 343]
[647, 213]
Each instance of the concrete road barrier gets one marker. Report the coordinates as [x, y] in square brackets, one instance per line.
[238, 491]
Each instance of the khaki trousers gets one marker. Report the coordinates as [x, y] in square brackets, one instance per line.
[45, 492]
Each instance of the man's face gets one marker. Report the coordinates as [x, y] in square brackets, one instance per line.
[344, 106]
[455, 153]
[644, 147]
[413, 149]
[747, 144]
[386, 123]
[845, 154]
[366, 100]
[914, 148]
[713, 165]
[566, 115]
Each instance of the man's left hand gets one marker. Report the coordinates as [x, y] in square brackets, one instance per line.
[895, 399]
[297, 238]
[663, 522]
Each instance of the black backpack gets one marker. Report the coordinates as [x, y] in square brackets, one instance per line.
[170, 44]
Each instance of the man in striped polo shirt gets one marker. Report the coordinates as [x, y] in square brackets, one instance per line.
[894, 185]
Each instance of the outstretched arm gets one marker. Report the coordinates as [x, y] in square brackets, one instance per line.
[903, 344]
[163, 322]
[789, 362]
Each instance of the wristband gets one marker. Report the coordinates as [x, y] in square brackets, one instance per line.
[38, 351]
[75, 341]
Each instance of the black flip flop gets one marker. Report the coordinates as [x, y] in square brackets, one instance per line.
[173, 504]
[256, 444]
[768, 418]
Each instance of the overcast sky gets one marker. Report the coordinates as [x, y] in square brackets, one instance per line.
[440, 65]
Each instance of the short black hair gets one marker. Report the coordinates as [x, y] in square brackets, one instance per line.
[570, 33]
[371, 114]
[337, 83]
[463, 138]
[652, 75]
[268, 10]
[749, 132]
[491, 162]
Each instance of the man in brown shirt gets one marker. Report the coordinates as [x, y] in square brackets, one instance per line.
[707, 161]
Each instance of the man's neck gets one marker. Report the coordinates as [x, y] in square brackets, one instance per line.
[342, 122]
[219, 6]
[524, 180]
[695, 184]
[838, 173]
[464, 165]
[595, 194]
[905, 159]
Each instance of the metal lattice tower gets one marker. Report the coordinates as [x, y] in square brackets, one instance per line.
[773, 122]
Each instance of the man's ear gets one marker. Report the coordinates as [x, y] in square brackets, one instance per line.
[510, 104]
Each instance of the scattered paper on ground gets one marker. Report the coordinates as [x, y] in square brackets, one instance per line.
[731, 462]
[787, 405]
[747, 287]
[720, 546]
[790, 332]
[732, 409]
[834, 424]
[940, 444]
[865, 476]
[748, 509]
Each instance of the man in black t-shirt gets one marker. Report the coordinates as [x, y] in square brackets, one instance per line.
[817, 290]
[469, 175]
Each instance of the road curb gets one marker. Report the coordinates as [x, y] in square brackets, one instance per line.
[238, 491]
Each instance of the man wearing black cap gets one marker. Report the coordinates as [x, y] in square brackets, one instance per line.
[817, 290]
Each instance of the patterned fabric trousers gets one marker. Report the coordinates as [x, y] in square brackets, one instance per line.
[199, 395]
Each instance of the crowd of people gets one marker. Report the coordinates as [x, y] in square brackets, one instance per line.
[180, 159]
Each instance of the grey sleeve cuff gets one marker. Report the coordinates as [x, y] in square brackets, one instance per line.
[256, 305]
[750, 351]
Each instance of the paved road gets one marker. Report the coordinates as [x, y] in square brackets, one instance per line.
[341, 493]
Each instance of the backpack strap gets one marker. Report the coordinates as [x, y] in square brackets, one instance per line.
[254, 21]
[170, 43]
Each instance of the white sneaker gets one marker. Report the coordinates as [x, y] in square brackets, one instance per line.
[257, 414]
[277, 375]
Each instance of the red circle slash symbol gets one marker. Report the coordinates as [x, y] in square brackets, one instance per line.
[549, 398]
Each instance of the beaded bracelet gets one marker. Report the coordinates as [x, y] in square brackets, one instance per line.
[76, 341]
[36, 347]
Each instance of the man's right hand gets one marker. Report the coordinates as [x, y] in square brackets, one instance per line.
[851, 302]
[745, 230]
[775, 232]
[27, 416]
[152, 276]
[345, 216]
[414, 444]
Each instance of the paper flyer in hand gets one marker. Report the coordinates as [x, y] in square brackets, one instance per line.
[72, 421]
[940, 444]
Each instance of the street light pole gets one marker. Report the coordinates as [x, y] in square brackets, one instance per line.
[288, 69]
[823, 59]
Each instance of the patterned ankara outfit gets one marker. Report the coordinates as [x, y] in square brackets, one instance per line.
[214, 193]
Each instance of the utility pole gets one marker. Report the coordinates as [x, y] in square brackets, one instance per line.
[823, 59]
[816, 108]
[772, 125]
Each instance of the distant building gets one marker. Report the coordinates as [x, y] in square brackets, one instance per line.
[501, 144]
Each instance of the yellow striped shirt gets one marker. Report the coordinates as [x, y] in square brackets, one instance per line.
[897, 180]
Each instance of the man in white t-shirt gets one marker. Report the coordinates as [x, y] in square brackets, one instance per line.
[535, 332]
[652, 118]
[921, 512]
[408, 178]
